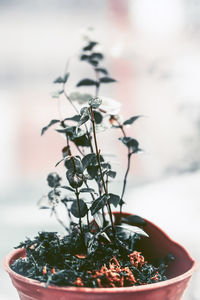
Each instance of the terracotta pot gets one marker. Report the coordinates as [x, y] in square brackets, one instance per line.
[157, 246]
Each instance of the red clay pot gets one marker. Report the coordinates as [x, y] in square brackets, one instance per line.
[158, 245]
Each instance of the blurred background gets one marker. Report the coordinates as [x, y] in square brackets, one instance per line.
[152, 48]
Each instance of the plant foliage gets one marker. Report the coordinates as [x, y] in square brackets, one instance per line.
[94, 238]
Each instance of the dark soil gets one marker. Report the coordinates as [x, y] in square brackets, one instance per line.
[63, 261]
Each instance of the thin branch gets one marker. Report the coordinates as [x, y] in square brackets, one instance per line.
[77, 192]
[77, 111]
[124, 182]
[70, 100]
[99, 164]
[88, 222]
[79, 211]
[79, 150]
[127, 169]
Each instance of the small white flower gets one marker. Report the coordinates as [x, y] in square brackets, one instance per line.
[111, 106]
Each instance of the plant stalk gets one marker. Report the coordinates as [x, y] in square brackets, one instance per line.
[76, 110]
[124, 183]
[100, 169]
[76, 192]
[127, 170]
[79, 211]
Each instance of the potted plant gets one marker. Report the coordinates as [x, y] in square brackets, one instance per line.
[103, 254]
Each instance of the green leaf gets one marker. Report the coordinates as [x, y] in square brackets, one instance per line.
[87, 190]
[94, 62]
[131, 143]
[75, 180]
[59, 162]
[105, 166]
[107, 79]
[114, 199]
[98, 219]
[112, 174]
[92, 171]
[44, 203]
[96, 55]
[65, 78]
[52, 122]
[85, 57]
[80, 97]
[102, 70]
[86, 82]
[89, 159]
[77, 133]
[67, 199]
[97, 117]
[87, 237]
[92, 244]
[75, 209]
[74, 162]
[90, 46]
[131, 120]
[54, 196]
[134, 220]
[126, 231]
[57, 94]
[95, 102]
[67, 188]
[75, 118]
[62, 80]
[58, 80]
[84, 113]
[72, 132]
[98, 204]
[82, 141]
[104, 236]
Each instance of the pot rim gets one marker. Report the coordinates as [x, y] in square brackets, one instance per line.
[8, 259]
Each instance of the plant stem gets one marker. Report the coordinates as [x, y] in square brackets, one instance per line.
[127, 170]
[77, 111]
[70, 100]
[79, 150]
[124, 183]
[89, 138]
[99, 164]
[88, 222]
[76, 192]
[78, 200]
[56, 215]
[79, 211]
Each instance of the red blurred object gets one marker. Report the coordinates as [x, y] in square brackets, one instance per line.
[157, 246]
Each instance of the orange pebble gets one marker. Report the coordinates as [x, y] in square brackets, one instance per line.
[78, 282]
[44, 271]
[81, 256]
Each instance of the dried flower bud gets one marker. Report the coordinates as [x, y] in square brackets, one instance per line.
[53, 180]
